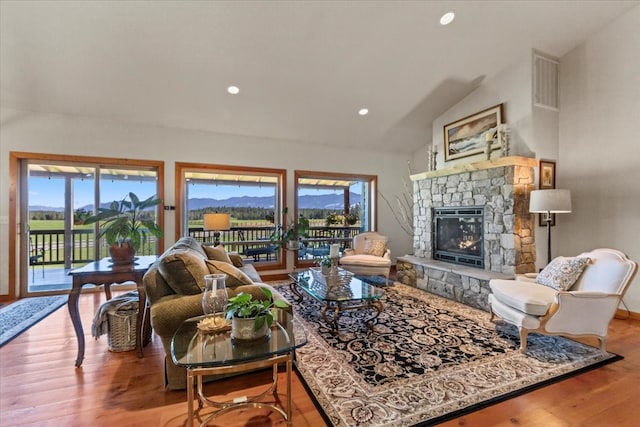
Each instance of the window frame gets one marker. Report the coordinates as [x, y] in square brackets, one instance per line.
[181, 168]
[372, 208]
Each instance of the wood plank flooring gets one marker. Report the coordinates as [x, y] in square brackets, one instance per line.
[39, 386]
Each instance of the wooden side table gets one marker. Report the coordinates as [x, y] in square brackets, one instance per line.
[104, 272]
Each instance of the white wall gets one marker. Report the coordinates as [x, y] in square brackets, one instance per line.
[60, 134]
[512, 88]
[599, 144]
[593, 139]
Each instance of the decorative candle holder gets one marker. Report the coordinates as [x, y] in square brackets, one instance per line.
[504, 135]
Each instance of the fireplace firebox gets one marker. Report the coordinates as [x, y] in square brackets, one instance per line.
[459, 235]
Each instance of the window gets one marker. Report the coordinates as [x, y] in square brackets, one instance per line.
[253, 198]
[338, 207]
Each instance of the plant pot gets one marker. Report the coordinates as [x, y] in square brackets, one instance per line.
[293, 244]
[122, 254]
[243, 329]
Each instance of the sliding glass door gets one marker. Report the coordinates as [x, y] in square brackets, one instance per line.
[55, 196]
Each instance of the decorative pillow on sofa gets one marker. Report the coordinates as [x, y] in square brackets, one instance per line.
[217, 253]
[375, 247]
[236, 259]
[184, 271]
[562, 272]
[235, 277]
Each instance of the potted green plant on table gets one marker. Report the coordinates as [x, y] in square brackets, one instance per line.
[125, 226]
[324, 263]
[292, 233]
[251, 319]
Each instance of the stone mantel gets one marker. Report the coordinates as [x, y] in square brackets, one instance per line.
[470, 167]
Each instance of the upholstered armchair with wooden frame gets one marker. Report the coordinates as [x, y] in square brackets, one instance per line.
[585, 309]
[368, 255]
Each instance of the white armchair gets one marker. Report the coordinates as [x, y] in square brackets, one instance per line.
[586, 309]
[368, 255]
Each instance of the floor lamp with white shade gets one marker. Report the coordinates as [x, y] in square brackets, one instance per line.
[549, 202]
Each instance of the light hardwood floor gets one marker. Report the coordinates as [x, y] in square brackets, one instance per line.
[39, 386]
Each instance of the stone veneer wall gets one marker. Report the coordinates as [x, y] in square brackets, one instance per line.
[502, 186]
[467, 285]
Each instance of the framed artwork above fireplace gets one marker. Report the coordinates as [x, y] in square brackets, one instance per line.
[469, 136]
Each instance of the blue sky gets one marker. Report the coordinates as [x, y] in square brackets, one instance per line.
[50, 192]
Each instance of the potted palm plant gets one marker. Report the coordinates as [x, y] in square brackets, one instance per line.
[125, 226]
[251, 319]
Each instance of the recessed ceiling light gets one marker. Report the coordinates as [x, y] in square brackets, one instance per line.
[233, 90]
[447, 18]
[363, 111]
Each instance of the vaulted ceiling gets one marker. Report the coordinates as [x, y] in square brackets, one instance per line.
[304, 68]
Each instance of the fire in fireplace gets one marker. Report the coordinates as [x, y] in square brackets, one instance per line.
[458, 235]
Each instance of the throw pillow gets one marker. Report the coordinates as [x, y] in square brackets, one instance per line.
[217, 253]
[375, 247]
[236, 259]
[184, 271]
[235, 276]
[562, 272]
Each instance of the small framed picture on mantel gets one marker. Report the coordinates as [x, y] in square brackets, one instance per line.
[547, 177]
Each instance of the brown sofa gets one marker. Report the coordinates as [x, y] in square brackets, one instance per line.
[174, 286]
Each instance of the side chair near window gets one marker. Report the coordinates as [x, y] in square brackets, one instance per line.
[368, 255]
[575, 296]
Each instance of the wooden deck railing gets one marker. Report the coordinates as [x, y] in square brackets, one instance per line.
[49, 245]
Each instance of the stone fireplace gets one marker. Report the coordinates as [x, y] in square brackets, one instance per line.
[501, 189]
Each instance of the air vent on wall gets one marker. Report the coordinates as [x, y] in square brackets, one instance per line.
[545, 82]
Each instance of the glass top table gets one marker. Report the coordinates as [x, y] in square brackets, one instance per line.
[355, 295]
[203, 353]
[191, 348]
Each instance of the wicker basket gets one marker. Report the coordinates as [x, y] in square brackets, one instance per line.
[122, 330]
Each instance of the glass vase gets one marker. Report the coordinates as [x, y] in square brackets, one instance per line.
[214, 297]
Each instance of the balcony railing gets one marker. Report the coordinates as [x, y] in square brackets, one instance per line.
[254, 242]
[47, 247]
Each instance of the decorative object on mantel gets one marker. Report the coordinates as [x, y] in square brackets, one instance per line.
[432, 153]
[468, 136]
[548, 202]
[490, 137]
[504, 133]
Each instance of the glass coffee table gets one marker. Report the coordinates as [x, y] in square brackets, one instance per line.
[217, 353]
[356, 295]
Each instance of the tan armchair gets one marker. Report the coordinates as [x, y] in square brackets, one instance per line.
[585, 309]
[368, 255]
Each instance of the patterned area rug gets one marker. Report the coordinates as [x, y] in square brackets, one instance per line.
[428, 359]
[19, 316]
